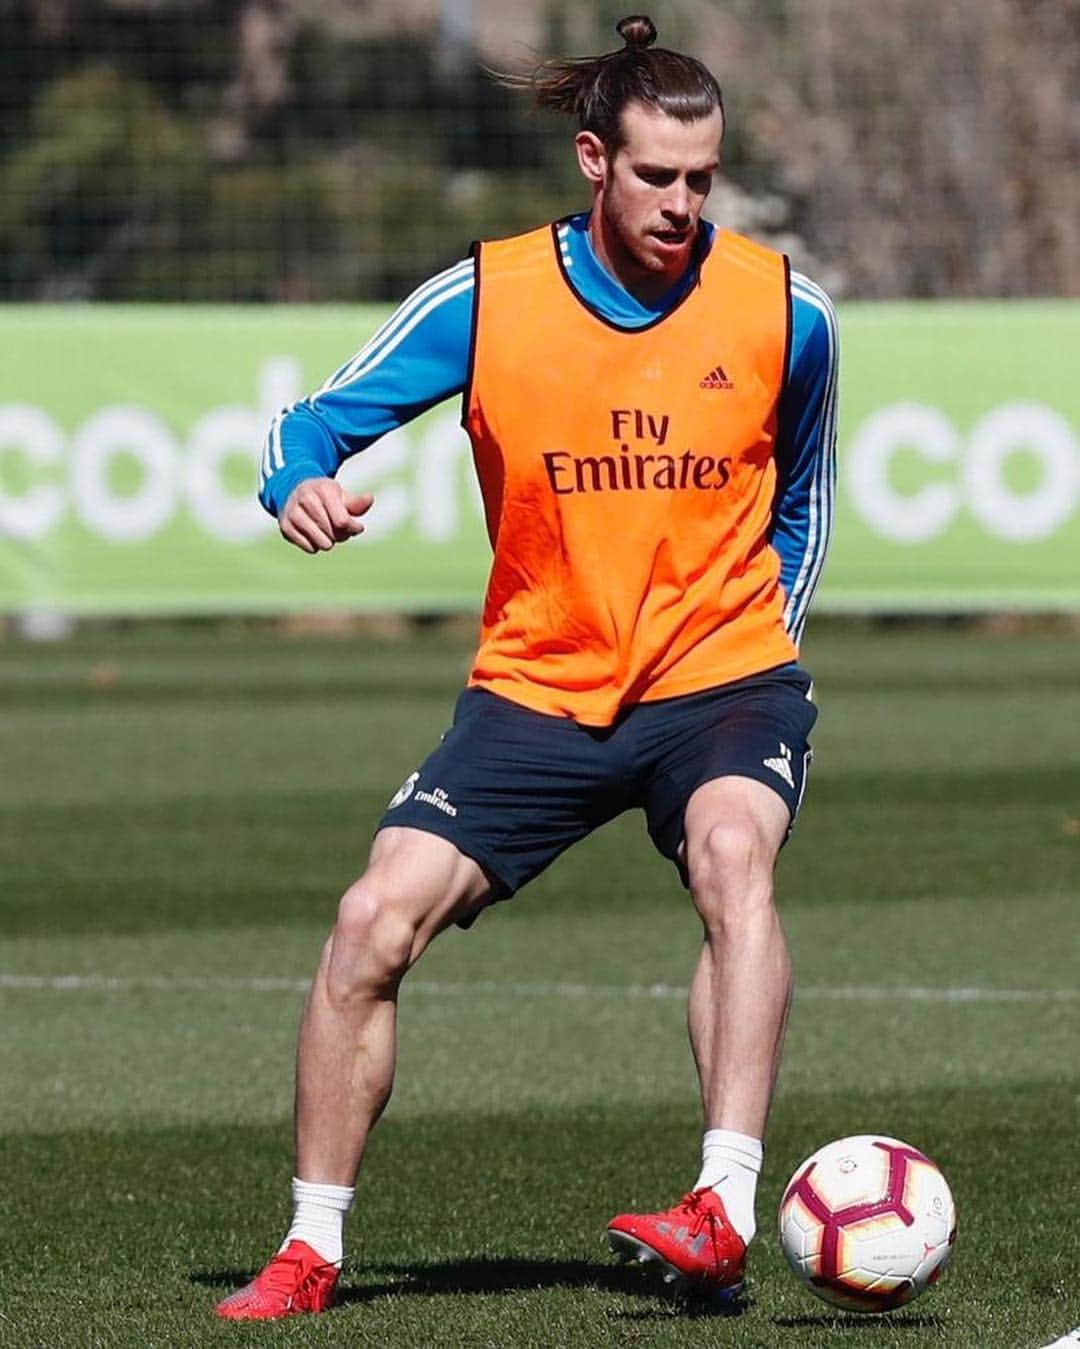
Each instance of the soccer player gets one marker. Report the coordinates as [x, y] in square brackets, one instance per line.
[651, 402]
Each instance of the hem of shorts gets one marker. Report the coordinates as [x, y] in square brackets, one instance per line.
[500, 888]
[793, 814]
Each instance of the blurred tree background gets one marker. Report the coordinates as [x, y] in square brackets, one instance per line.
[274, 150]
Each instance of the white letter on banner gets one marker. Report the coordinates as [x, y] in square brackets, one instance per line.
[33, 432]
[365, 471]
[1023, 517]
[904, 519]
[444, 451]
[216, 437]
[124, 430]
[236, 430]
[279, 386]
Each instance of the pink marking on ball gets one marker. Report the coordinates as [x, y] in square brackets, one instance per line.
[833, 1222]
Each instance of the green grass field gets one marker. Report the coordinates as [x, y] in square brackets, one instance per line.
[179, 811]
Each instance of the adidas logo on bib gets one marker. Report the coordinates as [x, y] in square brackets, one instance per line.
[717, 379]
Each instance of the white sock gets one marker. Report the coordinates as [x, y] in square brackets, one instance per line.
[319, 1218]
[730, 1165]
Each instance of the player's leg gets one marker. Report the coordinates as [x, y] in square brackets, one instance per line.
[505, 792]
[741, 989]
[724, 788]
[415, 885]
[738, 1005]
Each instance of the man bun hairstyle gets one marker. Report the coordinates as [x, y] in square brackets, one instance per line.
[637, 30]
[596, 89]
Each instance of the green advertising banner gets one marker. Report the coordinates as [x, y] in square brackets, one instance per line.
[129, 441]
[959, 458]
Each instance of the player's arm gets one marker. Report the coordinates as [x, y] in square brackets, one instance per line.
[416, 359]
[806, 451]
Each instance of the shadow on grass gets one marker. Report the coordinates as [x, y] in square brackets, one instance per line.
[855, 1324]
[447, 1278]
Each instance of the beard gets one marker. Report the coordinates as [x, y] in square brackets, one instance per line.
[641, 247]
[632, 247]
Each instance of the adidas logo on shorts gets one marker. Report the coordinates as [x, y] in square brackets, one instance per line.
[782, 765]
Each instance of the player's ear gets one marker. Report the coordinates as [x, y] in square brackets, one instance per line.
[592, 157]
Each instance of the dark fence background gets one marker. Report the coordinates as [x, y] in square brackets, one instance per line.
[272, 150]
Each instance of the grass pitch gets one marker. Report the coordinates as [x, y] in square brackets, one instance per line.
[181, 809]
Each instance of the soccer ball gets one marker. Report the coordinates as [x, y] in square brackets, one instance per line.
[867, 1223]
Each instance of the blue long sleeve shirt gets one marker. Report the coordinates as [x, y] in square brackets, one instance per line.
[420, 356]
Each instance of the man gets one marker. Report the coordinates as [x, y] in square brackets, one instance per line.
[651, 403]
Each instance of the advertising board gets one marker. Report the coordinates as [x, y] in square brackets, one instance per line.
[130, 437]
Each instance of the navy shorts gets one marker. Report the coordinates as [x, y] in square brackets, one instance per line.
[513, 788]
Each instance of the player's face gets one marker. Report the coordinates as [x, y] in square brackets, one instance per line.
[649, 195]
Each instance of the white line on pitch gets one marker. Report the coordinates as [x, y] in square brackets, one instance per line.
[180, 983]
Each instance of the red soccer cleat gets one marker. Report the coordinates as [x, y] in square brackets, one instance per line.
[297, 1279]
[693, 1243]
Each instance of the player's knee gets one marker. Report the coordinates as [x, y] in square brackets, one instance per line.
[730, 871]
[725, 854]
[372, 941]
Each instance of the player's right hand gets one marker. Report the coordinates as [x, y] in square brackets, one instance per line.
[320, 513]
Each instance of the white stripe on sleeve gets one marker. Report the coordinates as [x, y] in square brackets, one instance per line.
[454, 281]
[823, 481]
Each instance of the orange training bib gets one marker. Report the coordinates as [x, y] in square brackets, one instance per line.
[628, 481]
